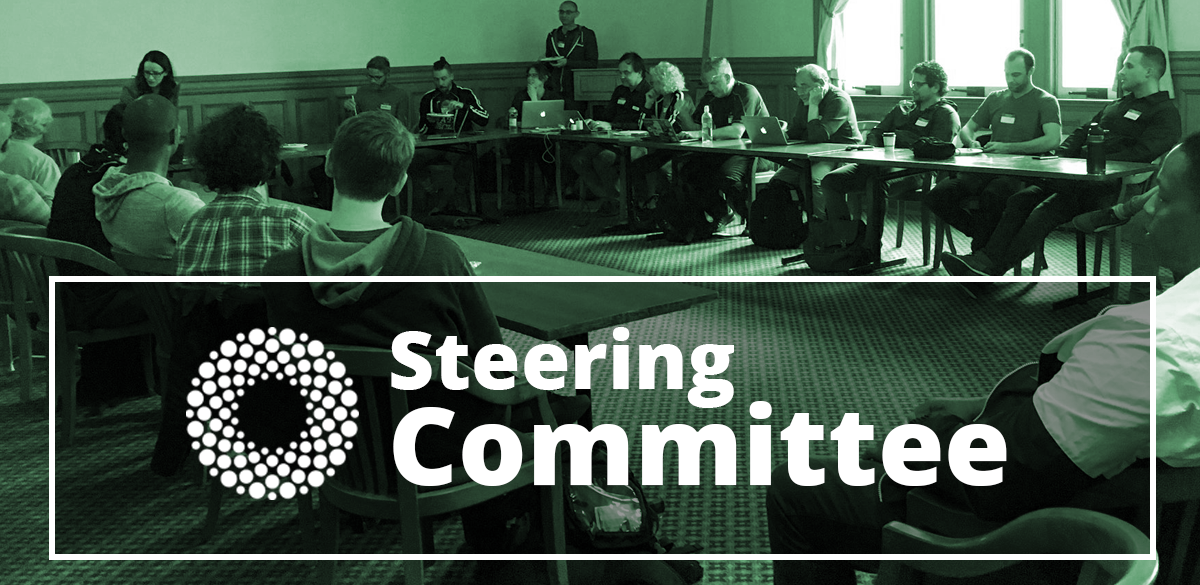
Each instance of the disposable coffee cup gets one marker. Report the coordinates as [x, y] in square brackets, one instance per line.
[889, 140]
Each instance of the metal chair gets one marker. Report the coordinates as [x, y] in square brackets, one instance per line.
[369, 485]
[29, 257]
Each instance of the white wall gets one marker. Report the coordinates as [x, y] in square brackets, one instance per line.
[65, 40]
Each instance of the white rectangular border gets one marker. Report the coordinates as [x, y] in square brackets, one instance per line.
[681, 279]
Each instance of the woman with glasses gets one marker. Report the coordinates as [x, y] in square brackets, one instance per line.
[154, 75]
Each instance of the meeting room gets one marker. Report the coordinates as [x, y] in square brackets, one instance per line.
[302, 293]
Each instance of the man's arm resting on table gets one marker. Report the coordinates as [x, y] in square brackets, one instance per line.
[732, 131]
[1049, 140]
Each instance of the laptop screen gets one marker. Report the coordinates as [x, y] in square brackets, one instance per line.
[542, 114]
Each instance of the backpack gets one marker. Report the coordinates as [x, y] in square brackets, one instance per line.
[776, 219]
[682, 219]
[837, 245]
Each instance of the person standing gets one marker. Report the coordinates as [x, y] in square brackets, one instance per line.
[570, 47]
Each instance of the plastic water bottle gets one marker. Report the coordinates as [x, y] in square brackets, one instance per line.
[706, 126]
[1095, 150]
[512, 119]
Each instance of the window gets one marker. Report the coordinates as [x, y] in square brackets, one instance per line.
[1090, 44]
[972, 38]
[870, 49]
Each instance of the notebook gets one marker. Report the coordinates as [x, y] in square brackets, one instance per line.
[542, 114]
[766, 131]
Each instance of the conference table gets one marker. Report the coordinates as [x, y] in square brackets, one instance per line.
[563, 311]
[1020, 165]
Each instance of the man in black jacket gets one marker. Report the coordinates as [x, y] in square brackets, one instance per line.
[570, 47]
[596, 164]
[928, 114]
[451, 109]
[1139, 127]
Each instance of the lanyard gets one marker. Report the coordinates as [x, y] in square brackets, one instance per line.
[572, 49]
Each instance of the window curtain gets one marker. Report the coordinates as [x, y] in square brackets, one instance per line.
[830, 35]
[1145, 23]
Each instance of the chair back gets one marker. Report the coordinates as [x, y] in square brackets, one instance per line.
[1067, 531]
[866, 126]
[30, 258]
[143, 266]
[65, 153]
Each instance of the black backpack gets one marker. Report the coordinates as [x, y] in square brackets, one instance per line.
[837, 245]
[683, 221]
[776, 218]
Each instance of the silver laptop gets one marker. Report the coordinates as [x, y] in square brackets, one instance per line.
[543, 114]
[766, 131]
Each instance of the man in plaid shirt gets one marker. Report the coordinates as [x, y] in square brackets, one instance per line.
[236, 233]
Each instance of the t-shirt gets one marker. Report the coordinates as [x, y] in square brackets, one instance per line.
[836, 123]
[1020, 119]
[388, 98]
[744, 100]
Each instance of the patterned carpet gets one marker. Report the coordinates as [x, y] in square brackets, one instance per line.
[822, 348]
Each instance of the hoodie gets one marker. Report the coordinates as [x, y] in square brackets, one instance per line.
[142, 213]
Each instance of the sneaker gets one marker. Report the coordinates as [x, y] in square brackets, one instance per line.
[1097, 221]
[730, 225]
[609, 208]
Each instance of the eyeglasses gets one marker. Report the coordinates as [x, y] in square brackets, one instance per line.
[154, 73]
[915, 84]
[803, 89]
[375, 77]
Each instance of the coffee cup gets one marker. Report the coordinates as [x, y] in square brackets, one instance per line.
[889, 140]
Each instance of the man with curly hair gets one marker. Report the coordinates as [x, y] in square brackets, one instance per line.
[236, 233]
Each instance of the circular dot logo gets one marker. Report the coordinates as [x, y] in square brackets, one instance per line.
[261, 471]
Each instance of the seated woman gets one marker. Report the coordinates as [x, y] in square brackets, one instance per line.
[528, 151]
[20, 198]
[154, 75]
[667, 100]
[30, 119]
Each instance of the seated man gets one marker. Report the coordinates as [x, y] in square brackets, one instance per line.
[1139, 127]
[140, 211]
[448, 108]
[238, 230]
[368, 162]
[596, 164]
[20, 198]
[377, 94]
[824, 114]
[928, 114]
[30, 117]
[1087, 421]
[718, 179]
[73, 215]
[1024, 119]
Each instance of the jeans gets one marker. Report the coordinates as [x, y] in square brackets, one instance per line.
[947, 198]
[1033, 212]
[839, 184]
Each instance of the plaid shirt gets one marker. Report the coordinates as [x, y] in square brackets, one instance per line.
[235, 234]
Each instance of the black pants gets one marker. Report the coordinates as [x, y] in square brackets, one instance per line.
[993, 191]
[716, 182]
[1033, 212]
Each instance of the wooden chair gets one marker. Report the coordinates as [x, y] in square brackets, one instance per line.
[1049, 531]
[158, 301]
[369, 484]
[8, 316]
[65, 153]
[29, 259]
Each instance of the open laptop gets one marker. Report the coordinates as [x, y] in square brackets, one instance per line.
[663, 130]
[542, 114]
[766, 131]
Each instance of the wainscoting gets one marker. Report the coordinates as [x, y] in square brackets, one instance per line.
[307, 106]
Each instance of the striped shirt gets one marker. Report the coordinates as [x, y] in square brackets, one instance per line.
[236, 234]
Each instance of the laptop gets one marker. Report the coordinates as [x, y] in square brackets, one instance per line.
[543, 114]
[663, 130]
[766, 131]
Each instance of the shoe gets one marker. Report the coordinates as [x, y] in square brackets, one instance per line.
[1098, 221]
[730, 225]
[970, 265]
[609, 208]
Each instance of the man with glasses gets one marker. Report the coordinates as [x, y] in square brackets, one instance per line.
[824, 114]
[377, 94]
[570, 47]
[596, 164]
[927, 114]
[1024, 119]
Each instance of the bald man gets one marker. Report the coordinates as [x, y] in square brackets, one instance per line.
[570, 47]
[140, 211]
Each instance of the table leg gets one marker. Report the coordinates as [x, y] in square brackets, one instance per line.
[625, 155]
[558, 186]
[499, 182]
[475, 205]
[570, 342]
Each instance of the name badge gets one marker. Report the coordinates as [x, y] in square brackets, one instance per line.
[620, 101]
[1008, 119]
[922, 122]
[561, 44]
[385, 106]
[1133, 114]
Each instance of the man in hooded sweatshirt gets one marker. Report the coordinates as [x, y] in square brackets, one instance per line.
[140, 211]
[368, 162]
